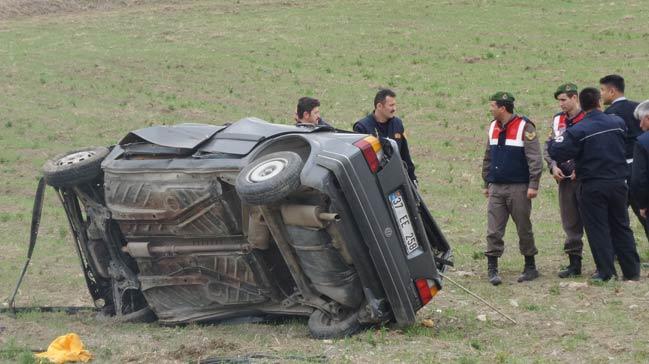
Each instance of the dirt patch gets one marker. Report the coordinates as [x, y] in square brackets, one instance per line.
[10, 9]
[185, 352]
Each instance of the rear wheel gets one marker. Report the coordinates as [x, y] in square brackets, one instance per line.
[74, 167]
[141, 315]
[133, 308]
[270, 178]
[324, 326]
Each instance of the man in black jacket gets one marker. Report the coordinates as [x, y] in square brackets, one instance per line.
[383, 122]
[612, 89]
[597, 145]
[640, 175]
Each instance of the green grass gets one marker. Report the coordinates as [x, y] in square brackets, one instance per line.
[10, 351]
[78, 79]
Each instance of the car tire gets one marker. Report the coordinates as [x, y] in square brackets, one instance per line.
[144, 315]
[323, 326]
[74, 167]
[269, 178]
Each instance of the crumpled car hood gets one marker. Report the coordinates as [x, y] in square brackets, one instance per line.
[182, 136]
[235, 139]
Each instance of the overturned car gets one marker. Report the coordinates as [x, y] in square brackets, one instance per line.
[195, 223]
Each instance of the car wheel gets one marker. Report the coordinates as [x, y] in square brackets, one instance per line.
[143, 315]
[74, 167]
[324, 326]
[270, 178]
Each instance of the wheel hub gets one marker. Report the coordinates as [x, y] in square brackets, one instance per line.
[75, 158]
[267, 170]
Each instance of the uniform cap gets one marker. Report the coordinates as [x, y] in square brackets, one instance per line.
[502, 96]
[566, 87]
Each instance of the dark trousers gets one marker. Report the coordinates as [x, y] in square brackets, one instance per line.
[603, 208]
[636, 210]
[642, 220]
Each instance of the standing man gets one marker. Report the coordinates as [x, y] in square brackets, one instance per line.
[511, 170]
[382, 122]
[308, 112]
[640, 174]
[612, 89]
[564, 174]
[597, 144]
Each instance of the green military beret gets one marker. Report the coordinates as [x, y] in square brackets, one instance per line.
[566, 87]
[502, 96]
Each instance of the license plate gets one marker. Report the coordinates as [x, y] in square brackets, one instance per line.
[403, 220]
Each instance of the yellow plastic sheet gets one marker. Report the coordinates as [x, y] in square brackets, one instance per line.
[66, 348]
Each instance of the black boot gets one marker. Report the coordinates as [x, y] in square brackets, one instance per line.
[572, 270]
[597, 277]
[492, 270]
[529, 272]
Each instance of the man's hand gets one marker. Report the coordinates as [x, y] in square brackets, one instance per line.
[573, 176]
[485, 192]
[557, 174]
[531, 193]
[643, 213]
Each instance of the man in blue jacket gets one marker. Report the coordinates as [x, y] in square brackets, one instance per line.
[383, 122]
[597, 144]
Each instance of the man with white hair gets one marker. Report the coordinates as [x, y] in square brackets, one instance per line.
[640, 173]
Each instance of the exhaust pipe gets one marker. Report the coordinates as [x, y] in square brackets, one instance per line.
[146, 250]
[307, 216]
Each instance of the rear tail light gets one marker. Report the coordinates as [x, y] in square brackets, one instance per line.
[372, 151]
[427, 290]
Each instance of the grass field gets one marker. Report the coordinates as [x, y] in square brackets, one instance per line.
[86, 75]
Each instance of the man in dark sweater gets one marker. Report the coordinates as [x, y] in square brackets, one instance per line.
[612, 89]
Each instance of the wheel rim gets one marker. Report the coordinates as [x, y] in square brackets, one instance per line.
[267, 170]
[75, 158]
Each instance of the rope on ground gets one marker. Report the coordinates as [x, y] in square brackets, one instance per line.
[479, 298]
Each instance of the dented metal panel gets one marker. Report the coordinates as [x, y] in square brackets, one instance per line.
[184, 136]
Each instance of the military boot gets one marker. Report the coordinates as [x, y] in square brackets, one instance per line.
[572, 270]
[492, 270]
[529, 272]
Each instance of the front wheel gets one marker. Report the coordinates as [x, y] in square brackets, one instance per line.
[269, 178]
[74, 167]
